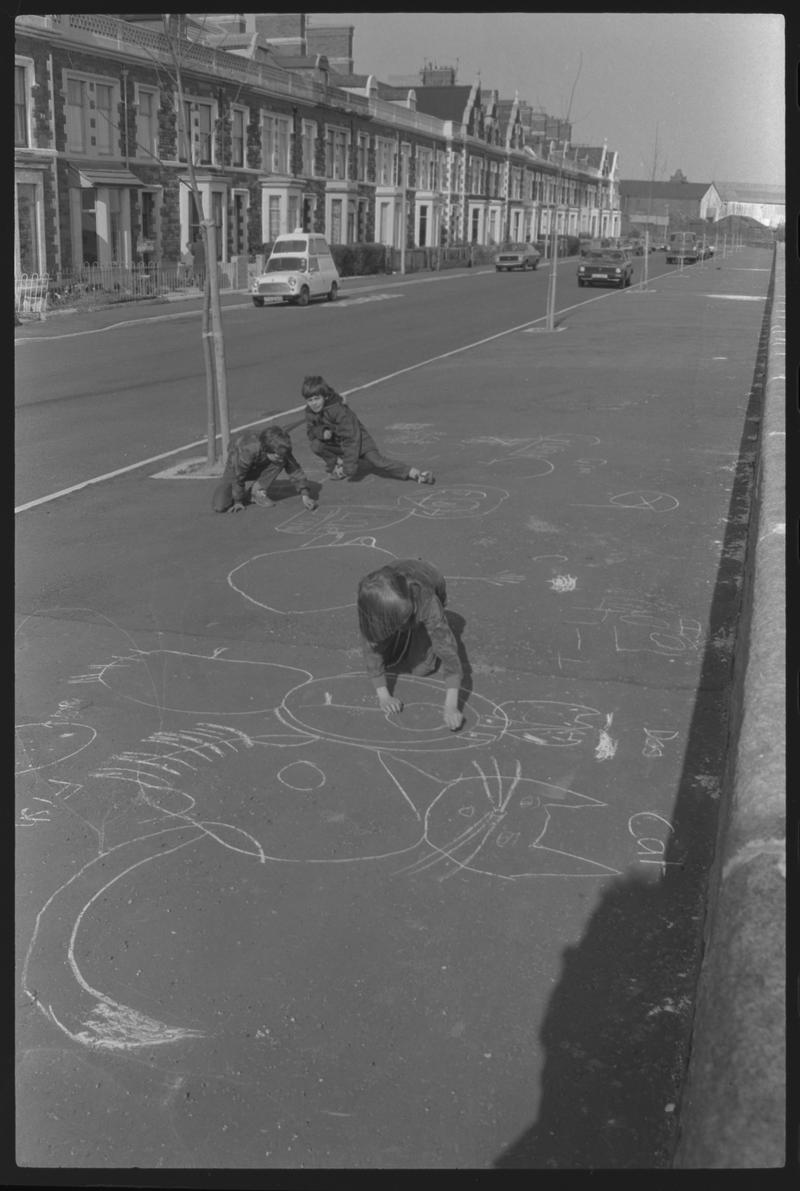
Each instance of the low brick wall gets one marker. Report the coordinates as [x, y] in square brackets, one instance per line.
[733, 1110]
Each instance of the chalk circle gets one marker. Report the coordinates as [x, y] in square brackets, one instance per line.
[305, 776]
[38, 746]
[307, 579]
[458, 501]
[659, 502]
[345, 708]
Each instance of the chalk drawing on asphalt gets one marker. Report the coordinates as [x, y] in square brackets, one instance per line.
[637, 624]
[177, 789]
[494, 823]
[444, 502]
[654, 502]
[651, 849]
[655, 739]
[40, 745]
[416, 433]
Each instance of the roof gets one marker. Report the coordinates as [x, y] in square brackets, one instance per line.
[446, 103]
[750, 192]
[629, 187]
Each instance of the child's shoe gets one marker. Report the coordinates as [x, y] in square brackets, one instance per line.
[261, 499]
[422, 477]
[337, 473]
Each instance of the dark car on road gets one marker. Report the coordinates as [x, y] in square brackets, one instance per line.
[605, 266]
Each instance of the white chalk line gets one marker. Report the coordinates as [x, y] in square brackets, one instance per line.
[121, 471]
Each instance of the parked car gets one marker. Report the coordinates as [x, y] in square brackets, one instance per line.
[300, 267]
[605, 266]
[517, 256]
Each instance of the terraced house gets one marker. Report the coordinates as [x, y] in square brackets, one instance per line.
[279, 140]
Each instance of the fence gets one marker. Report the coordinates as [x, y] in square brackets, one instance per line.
[106, 285]
[30, 294]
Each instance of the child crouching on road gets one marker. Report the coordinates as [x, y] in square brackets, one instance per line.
[260, 457]
[342, 441]
[401, 619]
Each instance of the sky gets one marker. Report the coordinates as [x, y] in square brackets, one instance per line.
[699, 92]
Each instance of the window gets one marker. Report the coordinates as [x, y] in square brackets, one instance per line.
[336, 221]
[199, 119]
[274, 223]
[147, 123]
[237, 137]
[21, 123]
[335, 153]
[362, 155]
[275, 141]
[148, 211]
[92, 124]
[425, 169]
[29, 250]
[422, 239]
[386, 153]
[308, 136]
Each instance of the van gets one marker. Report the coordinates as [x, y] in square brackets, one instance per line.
[300, 267]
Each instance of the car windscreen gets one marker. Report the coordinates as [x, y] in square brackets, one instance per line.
[284, 246]
[284, 264]
[598, 255]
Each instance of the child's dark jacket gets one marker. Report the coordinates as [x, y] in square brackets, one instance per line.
[430, 596]
[349, 438]
[247, 459]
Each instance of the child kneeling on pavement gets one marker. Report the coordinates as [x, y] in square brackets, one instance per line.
[342, 441]
[258, 457]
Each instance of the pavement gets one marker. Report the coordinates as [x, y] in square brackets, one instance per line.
[261, 925]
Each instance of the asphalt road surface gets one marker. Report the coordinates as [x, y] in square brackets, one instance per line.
[260, 924]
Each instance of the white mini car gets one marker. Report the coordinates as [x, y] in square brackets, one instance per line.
[300, 267]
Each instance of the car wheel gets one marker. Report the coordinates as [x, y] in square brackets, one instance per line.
[333, 292]
[580, 283]
[302, 297]
[258, 301]
[535, 265]
[497, 269]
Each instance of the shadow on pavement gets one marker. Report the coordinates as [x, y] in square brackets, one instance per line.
[616, 1034]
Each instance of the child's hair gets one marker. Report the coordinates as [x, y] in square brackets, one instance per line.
[276, 440]
[317, 386]
[385, 604]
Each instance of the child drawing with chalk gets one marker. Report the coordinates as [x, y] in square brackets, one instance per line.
[342, 441]
[403, 627]
[259, 458]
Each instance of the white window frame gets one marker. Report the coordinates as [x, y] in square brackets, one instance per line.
[386, 153]
[26, 65]
[362, 156]
[89, 84]
[275, 143]
[191, 101]
[337, 147]
[30, 178]
[148, 152]
[308, 135]
[242, 112]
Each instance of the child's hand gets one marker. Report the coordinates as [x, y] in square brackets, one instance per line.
[453, 719]
[309, 501]
[389, 703]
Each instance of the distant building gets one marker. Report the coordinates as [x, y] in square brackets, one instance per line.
[667, 204]
[766, 204]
